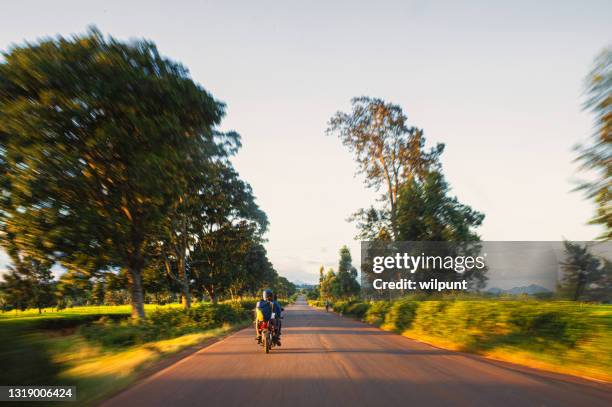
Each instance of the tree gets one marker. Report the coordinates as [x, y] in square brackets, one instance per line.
[313, 293]
[342, 284]
[373, 224]
[15, 290]
[98, 139]
[283, 287]
[585, 275]
[328, 285]
[230, 223]
[216, 259]
[257, 271]
[598, 155]
[29, 282]
[159, 286]
[388, 151]
[346, 278]
[427, 213]
[74, 288]
[98, 292]
[188, 214]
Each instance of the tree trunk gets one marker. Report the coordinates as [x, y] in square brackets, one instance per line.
[186, 297]
[394, 230]
[136, 292]
[184, 284]
[211, 293]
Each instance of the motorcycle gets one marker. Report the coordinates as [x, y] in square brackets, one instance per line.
[268, 333]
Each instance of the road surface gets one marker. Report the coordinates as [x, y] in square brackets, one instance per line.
[327, 360]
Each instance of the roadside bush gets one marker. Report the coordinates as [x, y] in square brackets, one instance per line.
[357, 309]
[340, 306]
[376, 312]
[564, 327]
[400, 315]
[165, 323]
[312, 295]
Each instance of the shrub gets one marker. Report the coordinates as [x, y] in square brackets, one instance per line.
[550, 325]
[316, 303]
[357, 309]
[340, 306]
[376, 312]
[401, 314]
[165, 323]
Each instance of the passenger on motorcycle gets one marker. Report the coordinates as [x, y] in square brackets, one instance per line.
[263, 311]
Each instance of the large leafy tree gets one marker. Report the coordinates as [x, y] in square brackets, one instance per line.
[98, 139]
[597, 155]
[255, 272]
[387, 149]
[428, 213]
[217, 260]
[188, 215]
[229, 223]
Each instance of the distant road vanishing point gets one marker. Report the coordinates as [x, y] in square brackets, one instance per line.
[328, 360]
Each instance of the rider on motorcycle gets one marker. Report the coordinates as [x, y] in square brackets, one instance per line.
[263, 311]
[276, 307]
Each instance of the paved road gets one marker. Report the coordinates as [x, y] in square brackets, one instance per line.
[327, 360]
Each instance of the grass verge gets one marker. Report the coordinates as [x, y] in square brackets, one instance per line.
[99, 373]
[101, 350]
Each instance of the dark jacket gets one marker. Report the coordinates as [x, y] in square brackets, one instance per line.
[265, 307]
[276, 308]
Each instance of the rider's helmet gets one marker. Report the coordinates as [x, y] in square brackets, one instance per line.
[267, 294]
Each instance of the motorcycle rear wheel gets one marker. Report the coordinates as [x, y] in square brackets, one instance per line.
[267, 341]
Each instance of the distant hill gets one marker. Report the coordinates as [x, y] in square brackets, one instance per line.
[531, 289]
[300, 284]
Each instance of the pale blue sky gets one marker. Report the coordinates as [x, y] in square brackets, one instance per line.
[500, 84]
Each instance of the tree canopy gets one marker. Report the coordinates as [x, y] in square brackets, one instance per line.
[388, 151]
[111, 164]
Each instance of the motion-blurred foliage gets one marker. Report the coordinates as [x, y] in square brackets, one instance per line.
[29, 342]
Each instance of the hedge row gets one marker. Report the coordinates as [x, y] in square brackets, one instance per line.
[165, 323]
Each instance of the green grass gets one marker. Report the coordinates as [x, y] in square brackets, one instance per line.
[100, 349]
[80, 311]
